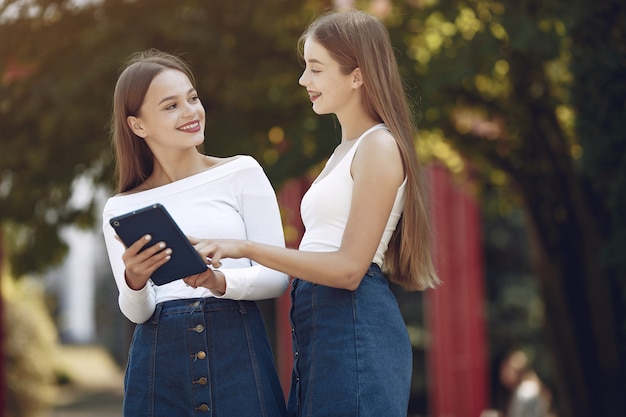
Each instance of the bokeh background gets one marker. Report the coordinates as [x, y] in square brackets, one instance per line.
[521, 108]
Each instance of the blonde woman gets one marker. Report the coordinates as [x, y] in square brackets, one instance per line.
[366, 212]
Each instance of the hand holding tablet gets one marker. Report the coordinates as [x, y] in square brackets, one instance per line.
[154, 220]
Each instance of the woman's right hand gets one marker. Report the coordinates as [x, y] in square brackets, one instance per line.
[141, 265]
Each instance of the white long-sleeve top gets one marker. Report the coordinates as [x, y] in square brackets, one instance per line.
[234, 200]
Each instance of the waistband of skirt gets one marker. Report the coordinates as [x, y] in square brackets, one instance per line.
[189, 305]
[372, 270]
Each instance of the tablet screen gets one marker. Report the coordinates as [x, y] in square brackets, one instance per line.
[157, 222]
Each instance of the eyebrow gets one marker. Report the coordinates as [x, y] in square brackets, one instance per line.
[191, 90]
[314, 61]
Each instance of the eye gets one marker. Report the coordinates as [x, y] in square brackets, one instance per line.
[194, 99]
[171, 106]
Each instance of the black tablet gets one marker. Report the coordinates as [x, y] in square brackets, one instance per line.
[157, 222]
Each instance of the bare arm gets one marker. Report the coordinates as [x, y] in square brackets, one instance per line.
[377, 171]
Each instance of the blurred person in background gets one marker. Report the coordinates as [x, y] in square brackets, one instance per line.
[529, 397]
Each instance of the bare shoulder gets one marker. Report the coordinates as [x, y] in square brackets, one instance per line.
[379, 145]
[378, 161]
[213, 161]
[141, 187]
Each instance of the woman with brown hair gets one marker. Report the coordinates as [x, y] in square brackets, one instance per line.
[364, 214]
[201, 349]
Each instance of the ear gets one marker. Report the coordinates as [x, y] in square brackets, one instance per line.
[135, 125]
[357, 78]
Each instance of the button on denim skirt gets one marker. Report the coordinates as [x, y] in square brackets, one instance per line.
[352, 354]
[202, 357]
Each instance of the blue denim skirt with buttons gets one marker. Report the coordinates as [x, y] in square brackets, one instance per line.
[202, 357]
[352, 354]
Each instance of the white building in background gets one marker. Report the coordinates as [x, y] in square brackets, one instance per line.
[74, 282]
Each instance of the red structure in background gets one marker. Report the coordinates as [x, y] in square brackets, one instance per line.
[457, 364]
[455, 311]
[289, 199]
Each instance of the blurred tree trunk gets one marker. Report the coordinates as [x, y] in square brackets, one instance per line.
[569, 227]
[580, 302]
[588, 266]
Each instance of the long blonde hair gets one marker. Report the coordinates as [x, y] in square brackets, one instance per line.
[357, 39]
[134, 160]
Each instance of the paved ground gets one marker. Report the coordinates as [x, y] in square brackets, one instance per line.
[90, 404]
[96, 388]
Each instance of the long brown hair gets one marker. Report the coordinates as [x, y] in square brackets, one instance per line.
[357, 39]
[134, 160]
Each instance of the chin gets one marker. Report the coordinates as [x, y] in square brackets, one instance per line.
[319, 111]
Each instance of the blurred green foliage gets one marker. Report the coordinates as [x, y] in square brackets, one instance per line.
[59, 65]
[526, 99]
[30, 347]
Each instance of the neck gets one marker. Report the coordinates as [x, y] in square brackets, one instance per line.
[175, 167]
[349, 135]
[354, 125]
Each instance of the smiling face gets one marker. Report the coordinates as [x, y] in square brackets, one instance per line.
[329, 89]
[171, 115]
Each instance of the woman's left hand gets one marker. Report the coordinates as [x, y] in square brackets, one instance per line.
[213, 280]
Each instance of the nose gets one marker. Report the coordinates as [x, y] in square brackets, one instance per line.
[303, 80]
[189, 109]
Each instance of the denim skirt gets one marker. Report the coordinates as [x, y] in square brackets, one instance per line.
[202, 357]
[352, 354]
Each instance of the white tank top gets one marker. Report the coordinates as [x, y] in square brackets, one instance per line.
[326, 205]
